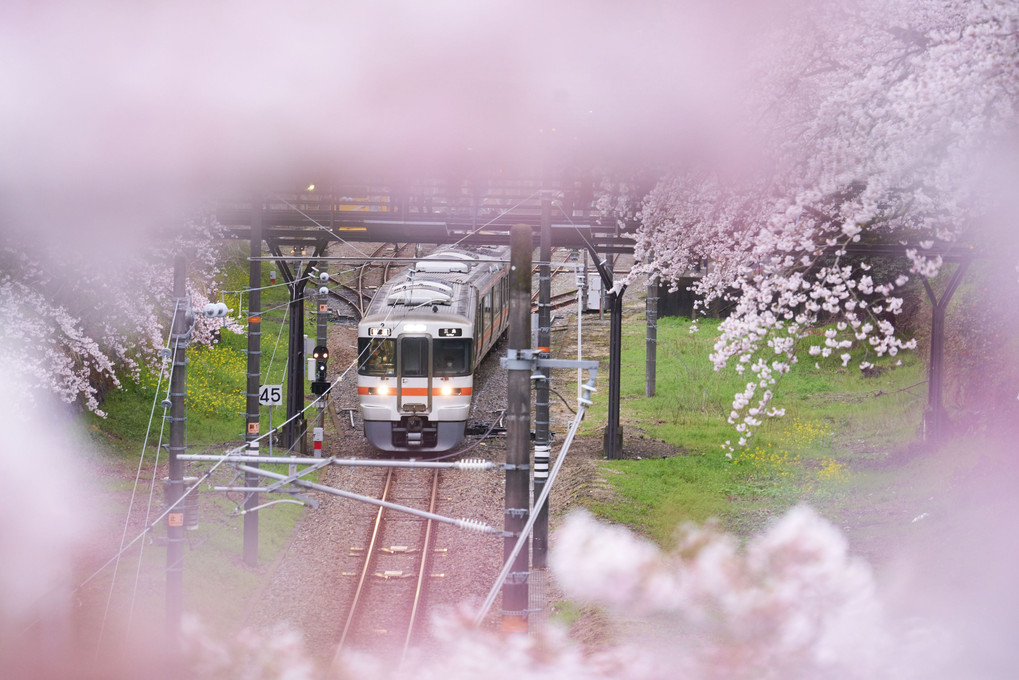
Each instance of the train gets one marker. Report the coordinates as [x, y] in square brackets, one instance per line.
[420, 342]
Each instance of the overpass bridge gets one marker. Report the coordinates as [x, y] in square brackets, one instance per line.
[470, 212]
[439, 212]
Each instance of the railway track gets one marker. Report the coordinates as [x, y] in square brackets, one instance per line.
[368, 275]
[559, 299]
[386, 607]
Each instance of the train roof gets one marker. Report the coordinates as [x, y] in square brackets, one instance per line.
[447, 279]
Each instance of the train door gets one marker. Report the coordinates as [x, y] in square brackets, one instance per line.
[497, 307]
[487, 304]
[414, 374]
[478, 349]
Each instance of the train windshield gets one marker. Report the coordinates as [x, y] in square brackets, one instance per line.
[414, 357]
[452, 356]
[376, 356]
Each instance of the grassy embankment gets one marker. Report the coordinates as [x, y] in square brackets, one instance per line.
[839, 425]
[217, 587]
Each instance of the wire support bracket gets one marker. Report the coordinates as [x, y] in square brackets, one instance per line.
[530, 360]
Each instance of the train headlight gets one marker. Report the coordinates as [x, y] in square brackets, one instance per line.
[381, 390]
[414, 328]
[449, 391]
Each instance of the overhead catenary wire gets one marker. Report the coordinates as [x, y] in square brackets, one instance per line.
[283, 283]
[532, 517]
[126, 545]
[494, 219]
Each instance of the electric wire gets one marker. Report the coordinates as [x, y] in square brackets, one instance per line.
[302, 299]
[151, 500]
[490, 222]
[320, 226]
[525, 532]
[154, 523]
[134, 489]
[566, 403]
[279, 338]
[261, 288]
[590, 246]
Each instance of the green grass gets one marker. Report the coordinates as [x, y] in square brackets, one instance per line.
[662, 493]
[837, 421]
[215, 375]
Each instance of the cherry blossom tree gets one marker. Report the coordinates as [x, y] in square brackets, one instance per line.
[75, 330]
[868, 123]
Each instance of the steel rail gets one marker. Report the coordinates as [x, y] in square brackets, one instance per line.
[368, 558]
[345, 293]
[423, 571]
[362, 270]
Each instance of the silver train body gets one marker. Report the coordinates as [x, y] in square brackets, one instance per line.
[419, 343]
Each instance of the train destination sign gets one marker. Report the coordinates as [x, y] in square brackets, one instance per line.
[450, 332]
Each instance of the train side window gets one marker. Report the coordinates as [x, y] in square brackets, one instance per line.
[414, 357]
[477, 326]
[451, 356]
[488, 311]
[376, 356]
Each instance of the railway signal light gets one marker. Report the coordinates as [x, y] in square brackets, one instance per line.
[320, 355]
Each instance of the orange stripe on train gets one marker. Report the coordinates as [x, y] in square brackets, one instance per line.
[417, 391]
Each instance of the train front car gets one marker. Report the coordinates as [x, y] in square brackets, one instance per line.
[418, 345]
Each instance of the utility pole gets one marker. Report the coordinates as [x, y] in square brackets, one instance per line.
[294, 426]
[651, 343]
[254, 374]
[542, 426]
[179, 335]
[934, 418]
[518, 430]
[613, 432]
[297, 281]
[613, 442]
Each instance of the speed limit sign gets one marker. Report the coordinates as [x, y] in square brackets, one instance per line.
[270, 395]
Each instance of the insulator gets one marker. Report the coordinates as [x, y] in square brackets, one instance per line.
[474, 464]
[323, 277]
[474, 525]
[324, 290]
[585, 402]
